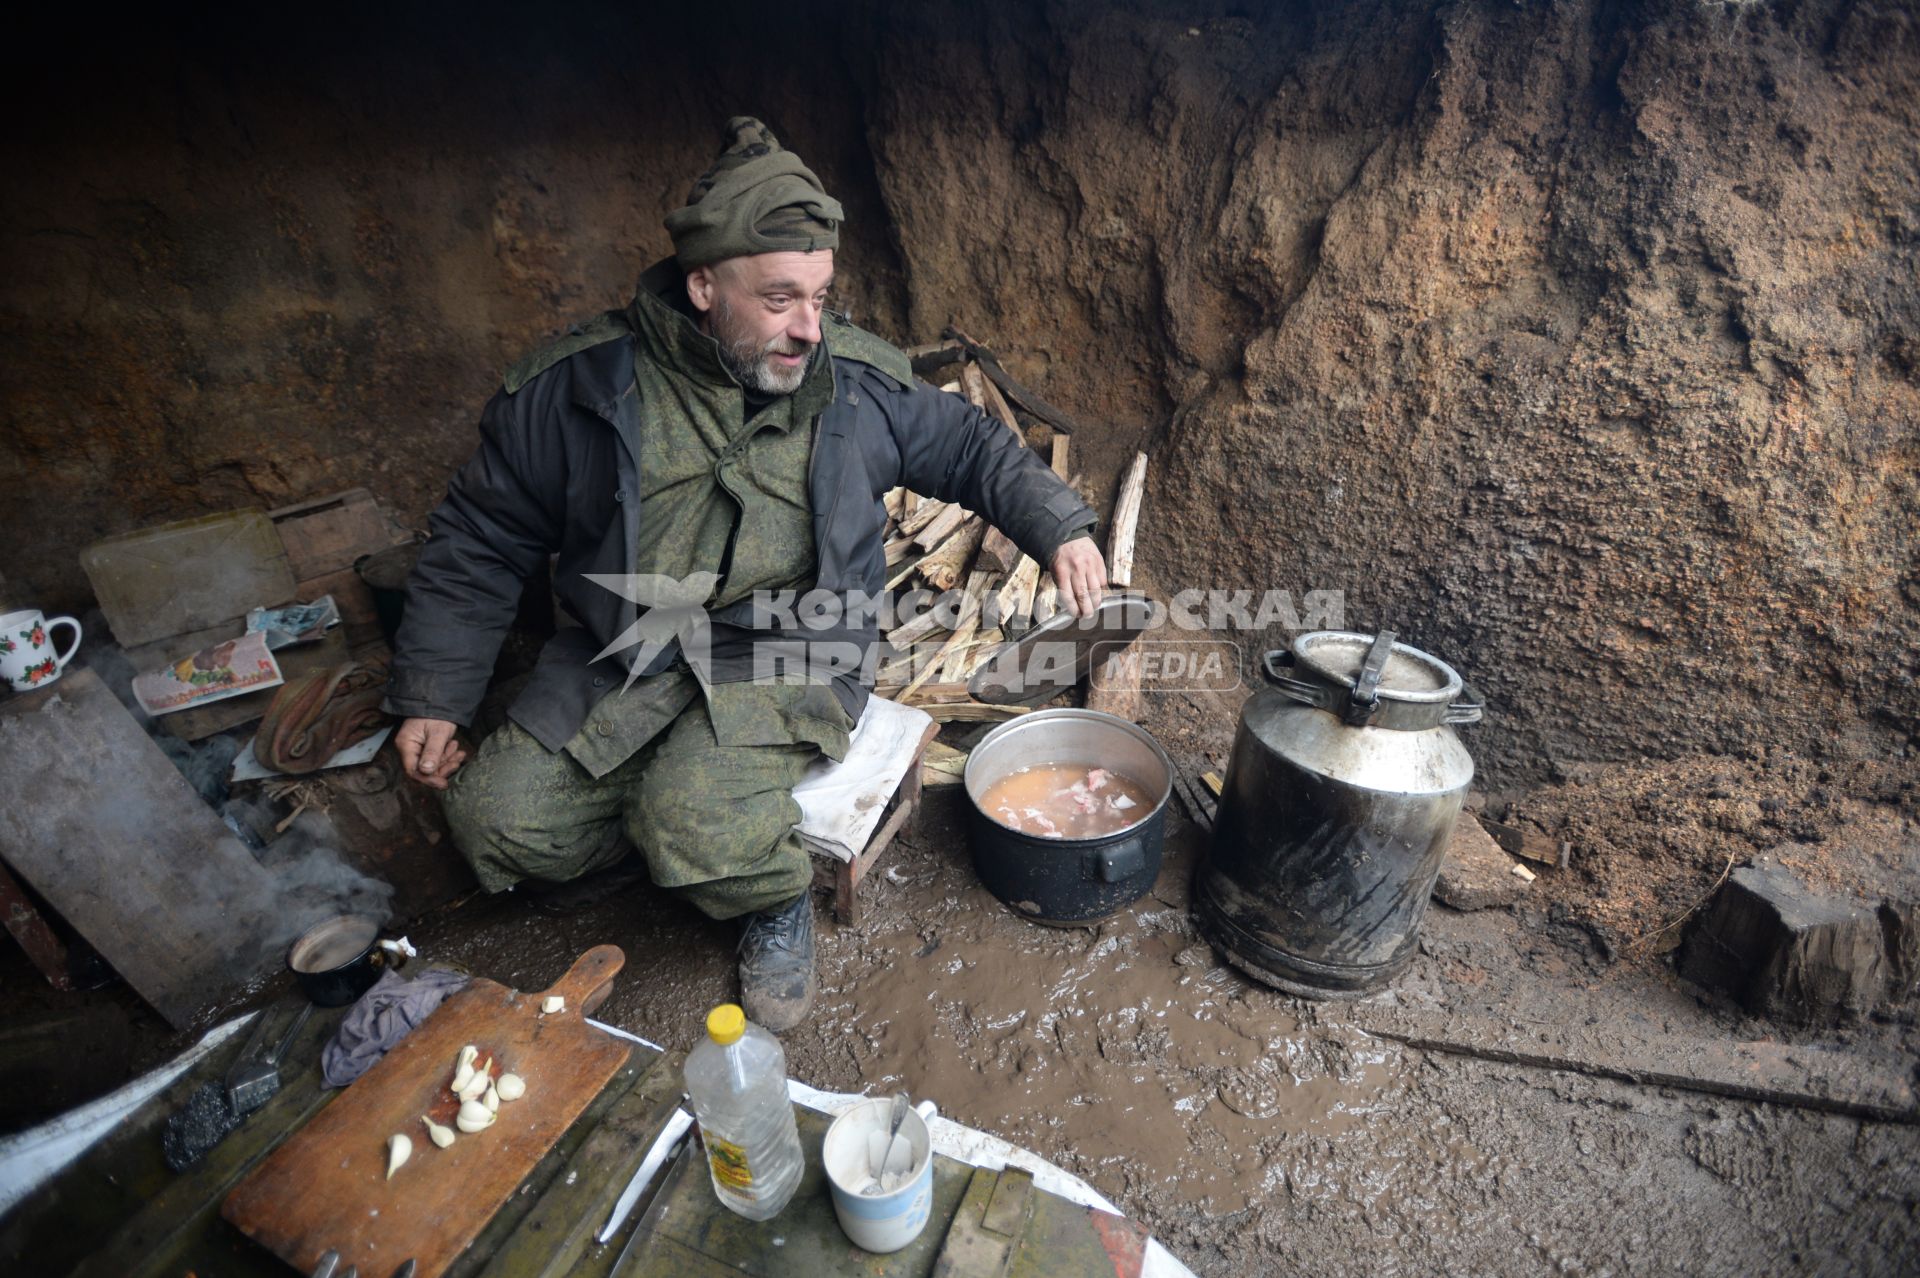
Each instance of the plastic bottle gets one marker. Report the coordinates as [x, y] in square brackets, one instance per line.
[737, 1080]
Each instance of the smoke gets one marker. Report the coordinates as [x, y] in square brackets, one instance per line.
[307, 882]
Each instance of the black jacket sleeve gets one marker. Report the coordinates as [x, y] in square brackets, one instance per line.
[951, 450]
[502, 517]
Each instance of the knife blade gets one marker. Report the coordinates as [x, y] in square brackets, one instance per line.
[665, 1145]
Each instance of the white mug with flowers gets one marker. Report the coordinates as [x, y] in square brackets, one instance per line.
[27, 658]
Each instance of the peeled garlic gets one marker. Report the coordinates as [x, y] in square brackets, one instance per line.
[510, 1086]
[554, 1004]
[482, 1078]
[473, 1117]
[463, 1073]
[399, 1150]
[441, 1136]
[492, 1099]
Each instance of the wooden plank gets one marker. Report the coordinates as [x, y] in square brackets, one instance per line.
[1060, 448]
[687, 1229]
[325, 535]
[1126, 522]
[35, 935]
[556, 1236]
[145, 870]
[1009, 386]
[188, 575]
[327, 1188]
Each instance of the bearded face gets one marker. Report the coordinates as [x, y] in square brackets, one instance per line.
[764, 365]
[763, 312]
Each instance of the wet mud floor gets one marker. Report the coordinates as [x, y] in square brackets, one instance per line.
[1260, 1134]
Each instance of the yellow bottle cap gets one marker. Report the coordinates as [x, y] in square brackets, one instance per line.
[726, 1023]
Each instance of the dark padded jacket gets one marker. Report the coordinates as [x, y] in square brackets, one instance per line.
[555, 474]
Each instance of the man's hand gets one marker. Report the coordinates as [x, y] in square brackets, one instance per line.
[1081, 573]
[429, 752]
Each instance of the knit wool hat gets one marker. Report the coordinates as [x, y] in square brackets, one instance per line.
[757, 198]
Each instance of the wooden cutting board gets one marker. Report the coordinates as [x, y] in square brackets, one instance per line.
[326, 1187]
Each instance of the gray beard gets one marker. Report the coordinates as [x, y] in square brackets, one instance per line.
[749, 360]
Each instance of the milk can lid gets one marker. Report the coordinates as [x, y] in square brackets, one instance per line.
[1372, 681]
[1409, 675]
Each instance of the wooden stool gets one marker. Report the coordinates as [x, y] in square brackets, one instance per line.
[844, 876]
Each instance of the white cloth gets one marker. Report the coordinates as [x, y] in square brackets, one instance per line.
[841, 803]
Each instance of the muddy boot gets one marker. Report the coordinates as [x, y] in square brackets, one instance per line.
[776, 965]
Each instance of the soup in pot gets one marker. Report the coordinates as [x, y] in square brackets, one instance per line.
[1066, 801]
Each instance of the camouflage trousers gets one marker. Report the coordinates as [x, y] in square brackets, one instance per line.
[714, 822]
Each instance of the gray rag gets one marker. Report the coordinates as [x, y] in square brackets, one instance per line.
[384, 1015]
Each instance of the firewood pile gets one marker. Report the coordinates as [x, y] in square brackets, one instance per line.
[941, 547]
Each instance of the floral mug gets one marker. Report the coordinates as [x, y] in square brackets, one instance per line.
[27, 659]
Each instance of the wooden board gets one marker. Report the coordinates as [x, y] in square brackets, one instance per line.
[326, 1188]
[107, 830]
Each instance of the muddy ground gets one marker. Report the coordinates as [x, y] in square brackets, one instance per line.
[1257, 1133]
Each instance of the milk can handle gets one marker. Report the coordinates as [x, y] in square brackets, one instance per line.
[1278, 661]
[1469, 708]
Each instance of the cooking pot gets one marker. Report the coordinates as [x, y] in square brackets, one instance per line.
[1068, 882]
[337, 961]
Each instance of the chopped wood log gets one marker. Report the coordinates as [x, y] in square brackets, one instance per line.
[1786, 951]
[900, 549]
[997, 552]
[1059, 454]
[1013, 602]
[1214, 782]
[895, 503]
[973, 384]
[1113, 686]
[972, 712]
[945, 567]
[1046, 600]
[909, 503]
[999, 407]
[943, 526]
[970, 652]
[1520, 841]
[925, 513]
[951, 388]
[935, 692]
[1126, 521]
[942, 765]
[938, 665]
[1012, 388]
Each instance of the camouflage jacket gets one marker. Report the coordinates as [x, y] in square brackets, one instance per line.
[555, 474]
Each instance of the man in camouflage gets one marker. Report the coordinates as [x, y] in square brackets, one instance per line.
[720, 440]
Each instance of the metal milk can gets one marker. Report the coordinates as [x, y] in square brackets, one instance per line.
[1339, 800]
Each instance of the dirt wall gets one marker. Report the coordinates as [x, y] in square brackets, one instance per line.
[1580, 343]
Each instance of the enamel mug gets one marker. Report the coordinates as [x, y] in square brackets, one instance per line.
[27, 656]
[879, 1222]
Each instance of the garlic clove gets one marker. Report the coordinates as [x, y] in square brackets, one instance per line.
[473, 1117]
[492, 1098]
[441, 1136]
[463, 1072]
[399, 1150]
[554, 1003]
[481, 1080]
[510, 1086]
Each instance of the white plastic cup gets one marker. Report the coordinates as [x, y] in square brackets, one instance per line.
[879, 1223]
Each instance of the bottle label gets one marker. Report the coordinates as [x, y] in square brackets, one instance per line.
[729, 1162]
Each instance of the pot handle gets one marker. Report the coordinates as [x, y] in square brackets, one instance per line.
[1116, 864]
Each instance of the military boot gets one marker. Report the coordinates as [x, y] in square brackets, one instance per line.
[777, 980]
